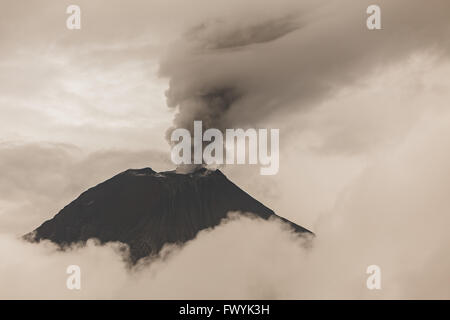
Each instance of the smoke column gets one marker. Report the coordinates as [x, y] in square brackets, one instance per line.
[241, 68]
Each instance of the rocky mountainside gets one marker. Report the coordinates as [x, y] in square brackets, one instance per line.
[146, 209]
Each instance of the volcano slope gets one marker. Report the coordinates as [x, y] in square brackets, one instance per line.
[146, 210]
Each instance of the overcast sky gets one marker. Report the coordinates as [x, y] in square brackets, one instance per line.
[363, 115]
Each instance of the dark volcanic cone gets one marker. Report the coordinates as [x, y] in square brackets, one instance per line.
[146, 210]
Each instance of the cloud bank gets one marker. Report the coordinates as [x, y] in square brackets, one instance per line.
[395, 215]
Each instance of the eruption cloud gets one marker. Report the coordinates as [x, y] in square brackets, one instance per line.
[242, 70]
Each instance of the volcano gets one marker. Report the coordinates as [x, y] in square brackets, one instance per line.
[146, 210]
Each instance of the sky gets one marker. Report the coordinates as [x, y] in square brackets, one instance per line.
[363, 118]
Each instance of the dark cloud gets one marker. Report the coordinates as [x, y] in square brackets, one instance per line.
[217, 35]
[273, 66]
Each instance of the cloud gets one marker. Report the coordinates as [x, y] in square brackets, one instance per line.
[234, 63]
[248, 68]
[394, 215]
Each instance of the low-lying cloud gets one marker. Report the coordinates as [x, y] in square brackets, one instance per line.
[395, 215]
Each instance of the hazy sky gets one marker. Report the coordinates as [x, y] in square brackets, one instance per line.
[363, 118]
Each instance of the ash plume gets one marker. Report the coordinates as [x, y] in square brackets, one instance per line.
[244, 69]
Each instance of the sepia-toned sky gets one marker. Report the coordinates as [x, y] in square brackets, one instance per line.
[364, 125]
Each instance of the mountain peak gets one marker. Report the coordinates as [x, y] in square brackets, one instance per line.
[147, 209]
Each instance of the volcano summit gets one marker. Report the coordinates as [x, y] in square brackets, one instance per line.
[146, 210]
